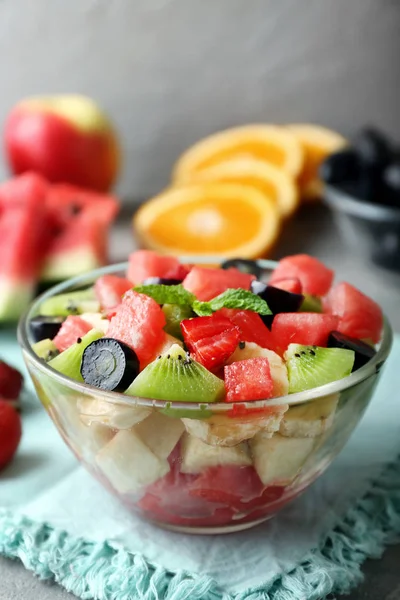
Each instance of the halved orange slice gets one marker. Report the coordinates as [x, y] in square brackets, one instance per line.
[317, 142]
[209, 219]
[271, 181]
[269, 143]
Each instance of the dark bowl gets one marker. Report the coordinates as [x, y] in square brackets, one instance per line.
[371, 230]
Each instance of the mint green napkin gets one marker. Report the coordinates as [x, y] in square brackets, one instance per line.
[63, 525]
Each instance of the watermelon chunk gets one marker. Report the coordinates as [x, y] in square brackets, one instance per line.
[308, 329]
[70, 331]
[248, 380]
[139, 322]
[109, 290]
[316, 279]
[359, 316]
[252, 328]
[23, 226]
[79, 223]
[207, 283]
[146, 263]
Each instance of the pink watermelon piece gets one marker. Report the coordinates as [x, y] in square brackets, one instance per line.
[146, 263]
[309, 329]
[359, 316]
[316, 279]
[70, 331]
[109, 290]
[79, 225]
[139, 322]
[207, 283]
[248, 380]
[23, 227]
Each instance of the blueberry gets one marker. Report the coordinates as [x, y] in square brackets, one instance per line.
[109, 365]
[243, 265]
[161, 281]
[340, 166]
[44, 327]
[362, 351]
[278, 300]
[373, 148]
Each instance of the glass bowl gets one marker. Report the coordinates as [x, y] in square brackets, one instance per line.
[199, 468]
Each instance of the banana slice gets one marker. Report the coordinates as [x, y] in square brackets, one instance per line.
[196, 455]
[311, 419]
[221, 430]
[97, 320]
[278, 460]
[160, 433]
[278, 368]
[129, 464]
[112, 415]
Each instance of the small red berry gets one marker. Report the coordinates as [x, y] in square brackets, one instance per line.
[11, 381]
[10, 432]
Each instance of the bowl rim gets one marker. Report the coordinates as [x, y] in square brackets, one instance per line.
[340, 199]
[368, 370]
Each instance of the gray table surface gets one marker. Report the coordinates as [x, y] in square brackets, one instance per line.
[313, 232]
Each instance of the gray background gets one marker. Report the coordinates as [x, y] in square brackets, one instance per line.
[171, 71]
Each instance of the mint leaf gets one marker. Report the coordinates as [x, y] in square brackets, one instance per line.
[167, 294]
[240, 299]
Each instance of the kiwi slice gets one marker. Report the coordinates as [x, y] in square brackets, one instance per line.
[311, 304]
[174, 314]
[45, 349]
[311, 366]
[69, 361]
[70, 303]
[176, 377]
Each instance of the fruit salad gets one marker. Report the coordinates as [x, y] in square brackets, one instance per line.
[203, 407]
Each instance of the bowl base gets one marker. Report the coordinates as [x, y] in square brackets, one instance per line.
[220, 529]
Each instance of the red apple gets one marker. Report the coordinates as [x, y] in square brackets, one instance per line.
[65, 138]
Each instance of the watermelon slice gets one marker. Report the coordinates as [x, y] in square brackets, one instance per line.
[79, 223]
[23, 228]
[146, 263]
[207, 283]
[109, 290]
[71, 330]
[316, 279]
[359, 316]
[308, 329]
[248, 380]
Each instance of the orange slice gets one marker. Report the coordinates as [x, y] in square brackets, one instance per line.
[210, 219]
[274, 145]
[271, 181]
[317, 142]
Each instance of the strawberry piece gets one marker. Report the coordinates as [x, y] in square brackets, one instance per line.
[11, 382]
[70, 331]
[248, 380]
[10, 432]
[109, 290]
[292, 284]
[210, 340]
[252, 328]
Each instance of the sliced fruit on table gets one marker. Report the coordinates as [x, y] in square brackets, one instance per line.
[316, 278]
[139, 322]
[206, 283]
[311, 366]
[278, 460]
[145, 264]
[248, 380]
[269, 143]
[223, 430]
[317, 142]
[210, 340]
[109, 290]
[69, 362]
[197, 456]
[71, 331]
[23, 235]
[310, 419]
[310, 329]
[79, 222]
[273, 182]
[10, 432]
[359, 316]
[217, 218]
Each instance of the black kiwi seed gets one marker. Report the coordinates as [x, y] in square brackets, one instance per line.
[242, 345]
[312, 352]
[109, 365]
[297, 355]
[43, 327]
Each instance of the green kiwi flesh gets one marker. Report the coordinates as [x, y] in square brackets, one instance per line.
[175, 377]
[174, 314]
[70, 303]
[311, 304]
[69, 362]
[45, 349]
[311, 366]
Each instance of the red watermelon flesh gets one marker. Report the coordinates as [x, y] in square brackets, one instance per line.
[309, 329]
[139, 322]
[109, 290]
[23, 229]
[316, 279]
[79, 224]
[146, 263]
[70, 331]
[208, 283]
[292, 285]
[359, 316]
[248, 380]
[251, 326]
